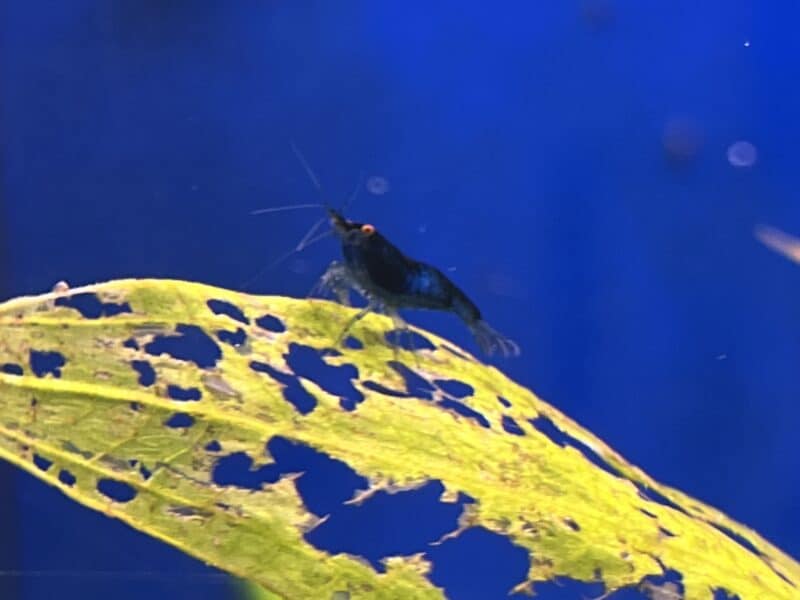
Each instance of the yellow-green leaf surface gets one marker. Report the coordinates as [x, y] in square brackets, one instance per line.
[92, 418]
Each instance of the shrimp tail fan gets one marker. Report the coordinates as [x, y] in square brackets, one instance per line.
[490, 341]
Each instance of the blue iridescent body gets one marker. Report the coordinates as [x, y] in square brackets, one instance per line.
[391, 281]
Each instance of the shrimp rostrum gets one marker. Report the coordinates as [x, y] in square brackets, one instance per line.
[391, 281]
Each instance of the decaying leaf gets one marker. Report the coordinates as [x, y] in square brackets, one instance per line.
[157, 402]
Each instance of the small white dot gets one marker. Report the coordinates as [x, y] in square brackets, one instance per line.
[747, 43]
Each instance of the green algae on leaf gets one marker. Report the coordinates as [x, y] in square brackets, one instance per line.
[131, 396]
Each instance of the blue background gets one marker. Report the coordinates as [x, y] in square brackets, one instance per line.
[566, 161]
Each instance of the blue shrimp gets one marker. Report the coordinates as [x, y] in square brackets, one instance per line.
[389, 280]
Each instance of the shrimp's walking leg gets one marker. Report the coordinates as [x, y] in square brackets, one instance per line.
[402, 329]
[352, 321]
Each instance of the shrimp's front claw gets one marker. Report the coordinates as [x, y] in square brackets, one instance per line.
[335, 280]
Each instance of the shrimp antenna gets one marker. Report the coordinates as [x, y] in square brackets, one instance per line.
[353, 195]
[274, 209]
[308, 240]
[309, 171]
[315, 181]
[311, 236]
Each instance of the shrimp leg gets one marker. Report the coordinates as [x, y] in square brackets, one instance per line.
[352, 321]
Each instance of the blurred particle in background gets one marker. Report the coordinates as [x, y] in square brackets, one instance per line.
[779, 241]
[742, 154]
[377, 185]
[682, 140]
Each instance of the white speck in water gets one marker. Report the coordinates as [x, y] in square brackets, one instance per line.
[721, 356]
[451, 269]
[423, 228]
[195, 187]
[377, 185]
[747, 43]
[742, 154]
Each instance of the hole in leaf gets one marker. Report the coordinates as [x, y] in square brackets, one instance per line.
[179, 421]
[135, 406]
[478, 563]
[504, 402]
[572, 524]
[781, 575]
[353, 342]
[511, 426]
[561, 588]
[145, 472]
[377, 387]
[234, 338]
[668, 585]
[190, 344]
[739, 539]
[649, 514]
[547, 427]
[455, 352]
[465, 411]
[271, 323]
[416, 385]
[189, 512]
[118, 491]
[652, 495]
[131, 343]
[722, 594]
[454, 387]
[91, 307]
[325, 484]
[666, 532]
[293, 391]
[66, 477]
[46, 363]
[213, 446]
[237, 470]
[177, 392]
[307, 362]
[402, 523]
[42, 462]
[408, 340]
[221, 307]
[147, 375]
[11, 369]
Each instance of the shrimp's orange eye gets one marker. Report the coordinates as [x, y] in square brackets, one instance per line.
[368, 229]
